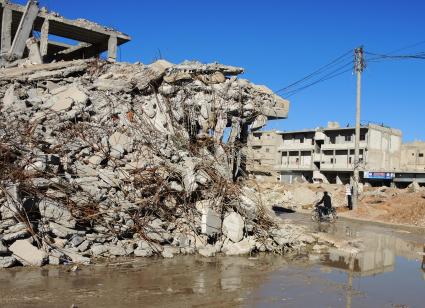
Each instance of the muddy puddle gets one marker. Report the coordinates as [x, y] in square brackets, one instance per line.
[389, 271]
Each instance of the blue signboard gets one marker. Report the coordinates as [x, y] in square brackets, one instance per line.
[378, 175]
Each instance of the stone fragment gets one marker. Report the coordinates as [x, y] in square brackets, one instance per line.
[28, 254]
[169, 252]
[53, 260]
[61, 231]
[211, 222]
[10, 237]
[207, 251]
[144, 249]
[119, 143]
[6, 262]
[84, 246]
[56, 212]
[241, 248]
[65, 98]
[99, 250]
[9, 98]
[76, 240]
[414, 187]
[233, 226]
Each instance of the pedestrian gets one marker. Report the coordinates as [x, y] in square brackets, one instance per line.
[348, 194]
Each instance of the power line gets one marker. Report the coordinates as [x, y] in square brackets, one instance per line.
[390, 55]
[419, 55]
[289, 90]
[317, 72]
[335, 73]
[407, 47]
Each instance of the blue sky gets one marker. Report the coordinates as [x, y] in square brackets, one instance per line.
[278, 42]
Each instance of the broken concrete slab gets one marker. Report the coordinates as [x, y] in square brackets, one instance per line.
[211, 222]
[233, 226]
[28, 254]
[56, 212]
[243, 247]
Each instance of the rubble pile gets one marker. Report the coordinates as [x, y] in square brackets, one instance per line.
[105, 160]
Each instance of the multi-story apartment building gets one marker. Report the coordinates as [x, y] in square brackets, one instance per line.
[327, 154]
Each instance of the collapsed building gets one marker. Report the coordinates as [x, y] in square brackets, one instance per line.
[104, 159]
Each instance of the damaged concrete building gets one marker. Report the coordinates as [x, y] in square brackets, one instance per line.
[106, 159]
[327, 155]
[25, 32]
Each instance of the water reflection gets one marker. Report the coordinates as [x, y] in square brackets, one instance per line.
[375, 248]
[225, 281]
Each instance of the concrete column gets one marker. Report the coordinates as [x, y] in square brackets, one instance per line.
[44, 37]
[112, 48]
[6, 30]
[24, 30]
[34, 52]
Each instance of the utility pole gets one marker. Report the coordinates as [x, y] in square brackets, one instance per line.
[358, 68]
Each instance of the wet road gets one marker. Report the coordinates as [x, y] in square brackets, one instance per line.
[387, 272]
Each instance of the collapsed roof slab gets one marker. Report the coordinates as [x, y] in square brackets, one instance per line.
[79, 30]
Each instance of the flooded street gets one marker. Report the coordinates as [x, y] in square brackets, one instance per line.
[388, 272]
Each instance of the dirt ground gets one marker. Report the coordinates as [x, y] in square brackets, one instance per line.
[391, 205]
[381, 204]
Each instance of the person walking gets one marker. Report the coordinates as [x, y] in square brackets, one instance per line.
[348, 194]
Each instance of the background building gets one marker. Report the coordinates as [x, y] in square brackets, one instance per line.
[327, 155]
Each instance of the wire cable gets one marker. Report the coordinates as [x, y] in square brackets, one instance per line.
[316, 72]
[339, 71]
[316, 82]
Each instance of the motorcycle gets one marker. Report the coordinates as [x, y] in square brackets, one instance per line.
[330, 216]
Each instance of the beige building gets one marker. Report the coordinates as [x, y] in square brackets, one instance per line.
[327, 154]
[413, 156]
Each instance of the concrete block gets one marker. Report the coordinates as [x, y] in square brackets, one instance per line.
[28, 254]
[233, 226]
[211, 222]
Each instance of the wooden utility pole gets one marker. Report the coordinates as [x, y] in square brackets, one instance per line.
[358, 68]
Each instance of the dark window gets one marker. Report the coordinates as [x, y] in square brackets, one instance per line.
[413, 154]
[347, 138]
[267, 150]
[349, 160]
[284, 153]
[332, 140]
[362, 137]
[301, 140]
[421, 154]
[332, 160]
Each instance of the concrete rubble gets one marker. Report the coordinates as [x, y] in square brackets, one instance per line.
[104, 160]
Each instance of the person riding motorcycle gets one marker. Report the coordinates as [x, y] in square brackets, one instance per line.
[327, 205]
